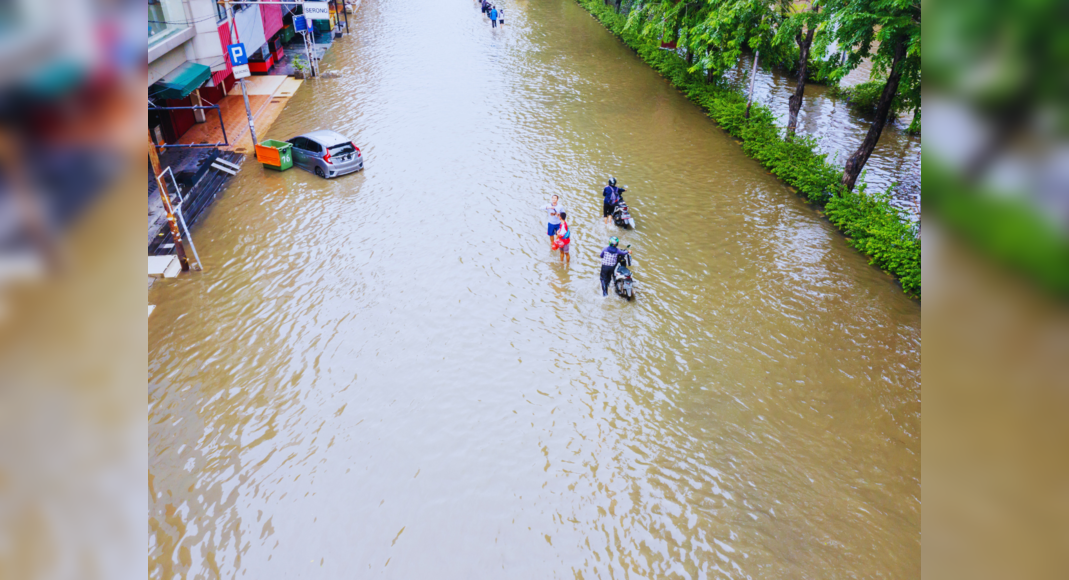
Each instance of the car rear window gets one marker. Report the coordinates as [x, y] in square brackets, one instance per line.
[341, 149]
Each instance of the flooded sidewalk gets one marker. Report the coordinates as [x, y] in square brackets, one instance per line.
[268, 96]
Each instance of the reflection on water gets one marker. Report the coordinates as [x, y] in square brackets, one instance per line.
[390, 374]
[839, 129]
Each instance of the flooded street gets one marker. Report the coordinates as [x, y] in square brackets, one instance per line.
[390, 375]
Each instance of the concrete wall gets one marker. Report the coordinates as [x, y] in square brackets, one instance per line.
[166, 63]
[205, 47]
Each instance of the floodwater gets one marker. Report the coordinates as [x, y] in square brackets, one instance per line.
[895, 163]
[390, 375]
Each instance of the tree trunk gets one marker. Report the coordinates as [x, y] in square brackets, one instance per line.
[856, 162]
[618, 4]
[795, 102]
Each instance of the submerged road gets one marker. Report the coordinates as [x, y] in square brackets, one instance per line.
[390, 375]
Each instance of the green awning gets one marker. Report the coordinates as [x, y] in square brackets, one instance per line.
[183, 80]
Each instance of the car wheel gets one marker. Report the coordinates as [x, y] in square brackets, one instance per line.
[319, 171]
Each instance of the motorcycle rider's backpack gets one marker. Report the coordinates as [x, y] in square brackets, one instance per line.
[614, 197]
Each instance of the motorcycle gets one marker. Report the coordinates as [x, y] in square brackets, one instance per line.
[621, 278]
[621, 215]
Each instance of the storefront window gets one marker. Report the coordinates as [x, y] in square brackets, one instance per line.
[164, 18]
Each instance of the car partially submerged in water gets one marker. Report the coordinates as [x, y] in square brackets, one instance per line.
[326, 153]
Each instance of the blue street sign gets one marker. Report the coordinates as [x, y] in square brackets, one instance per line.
[300, 24]
[238, 57]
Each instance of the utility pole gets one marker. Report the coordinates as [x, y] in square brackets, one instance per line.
[234, 39]
[309, 46]
[171, 222]
[753, 77]
[345, 10]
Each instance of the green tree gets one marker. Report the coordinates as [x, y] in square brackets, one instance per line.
[889, 33]
[726, 27]
[1007, 62]
[800, 26]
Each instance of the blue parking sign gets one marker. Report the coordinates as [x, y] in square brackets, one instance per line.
[299, 23]
[238, 56]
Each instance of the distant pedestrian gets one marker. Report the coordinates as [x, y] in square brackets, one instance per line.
[554, 209]
[493, 17]
[500, 15]
[486, 6]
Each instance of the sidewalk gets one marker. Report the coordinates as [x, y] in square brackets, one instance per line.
[268, 95]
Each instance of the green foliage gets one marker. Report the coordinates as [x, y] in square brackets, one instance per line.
[870, 29]
[1008, 228]
[1001, 58]
[873, 225]
[787, 56]
[915, 125]
[792, 27]
[716, 31]
[864, 97]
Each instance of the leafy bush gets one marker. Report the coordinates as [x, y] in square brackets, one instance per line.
[1007, 227]
[819, 71]
[915, 125]
[865, 96]
[875, 227]
[872, 224]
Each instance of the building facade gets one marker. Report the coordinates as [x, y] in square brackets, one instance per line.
[188, 63]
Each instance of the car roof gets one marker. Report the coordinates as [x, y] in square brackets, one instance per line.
[327, 137]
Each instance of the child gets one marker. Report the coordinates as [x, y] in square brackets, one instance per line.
[564, 239]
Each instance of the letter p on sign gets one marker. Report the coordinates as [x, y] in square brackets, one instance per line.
[239, 61]
[237, 54]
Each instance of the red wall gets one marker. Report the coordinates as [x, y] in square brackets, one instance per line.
[181, 120]
[224, 40]
[272, 17]
[215, 94]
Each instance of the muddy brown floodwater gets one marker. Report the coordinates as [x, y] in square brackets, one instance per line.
[389, 374]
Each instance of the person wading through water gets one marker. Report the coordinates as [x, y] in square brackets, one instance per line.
[609, 257]
[554, 209]
[563, 240]
[612, 198]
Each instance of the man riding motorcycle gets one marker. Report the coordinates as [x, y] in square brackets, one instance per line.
[613, 196]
